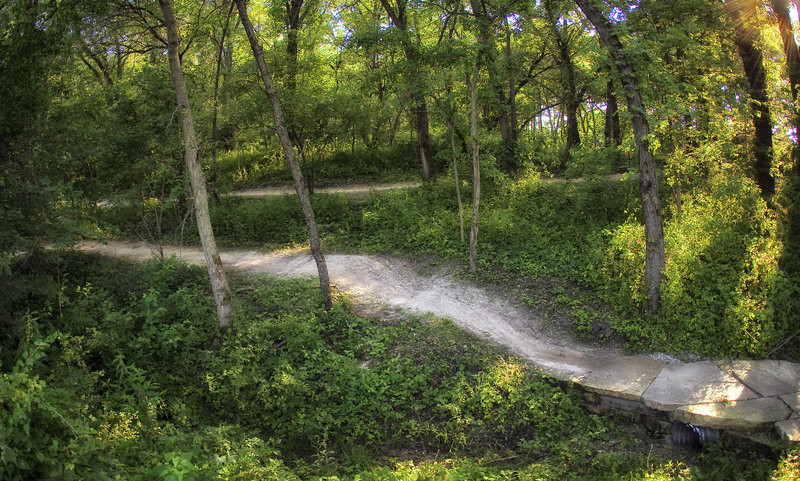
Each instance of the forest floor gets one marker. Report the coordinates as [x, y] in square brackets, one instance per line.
[268, 191]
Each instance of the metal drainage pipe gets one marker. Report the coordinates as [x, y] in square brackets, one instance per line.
[687, 434]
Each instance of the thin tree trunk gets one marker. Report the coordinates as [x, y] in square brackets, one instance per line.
[655, 257]
[476, 169]
[612, 131]
[745, 37]
[289, 152]
[219, 283]
[455, 177]
[214, 129]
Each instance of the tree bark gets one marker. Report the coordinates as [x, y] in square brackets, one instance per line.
[476, 169]
[455, 178]
[781, 10]
[745, 37]
[219, 283]
[214, 129]
[612, 132]
[505, 110]
[289, 152]
[570, 95]
[655, 257]
[294, 20]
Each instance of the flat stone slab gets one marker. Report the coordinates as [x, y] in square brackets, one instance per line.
[792, 400]
[768, 377]
[694, 383]
[751, 415]
[789, 430]
[622, 377]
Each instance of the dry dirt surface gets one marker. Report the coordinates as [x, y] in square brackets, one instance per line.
[376, 280]
[262, 192]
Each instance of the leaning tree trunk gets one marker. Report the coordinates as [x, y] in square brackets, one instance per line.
[789, 45]
[655, 257]
[745, 37]
[289, 152]
[219, 283]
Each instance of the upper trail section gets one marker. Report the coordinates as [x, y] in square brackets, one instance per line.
[263, 192]
[740, 395]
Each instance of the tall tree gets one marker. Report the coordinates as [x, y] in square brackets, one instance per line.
[289, 153]
[655, 257]
[221, 50]
[398, 13]
[747, 37]
[219, 283]
[476, 167]
[472, 82]
[571, 97]
[781, 10]
[486, 22]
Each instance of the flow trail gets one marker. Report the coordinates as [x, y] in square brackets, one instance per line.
[736, 395]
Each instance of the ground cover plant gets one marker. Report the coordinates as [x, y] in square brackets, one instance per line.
[577, 245]
[112, 370]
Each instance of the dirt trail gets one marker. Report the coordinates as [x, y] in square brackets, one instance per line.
[261, 192]
[395, 283]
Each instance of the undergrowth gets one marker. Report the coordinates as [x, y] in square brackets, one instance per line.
[117, 371]
[723, 293]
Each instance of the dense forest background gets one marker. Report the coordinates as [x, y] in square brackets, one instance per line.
[635, 164]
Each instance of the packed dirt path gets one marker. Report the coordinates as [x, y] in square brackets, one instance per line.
[262, 192]
[383, 280]
[737, 395]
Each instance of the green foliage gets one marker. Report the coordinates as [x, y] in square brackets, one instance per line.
[723, 294]
[789, 467]
[122, 374]
[42, 432]
[257, 168]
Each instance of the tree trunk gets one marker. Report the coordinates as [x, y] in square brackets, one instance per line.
[214, 129]
[423, 133]
[745, 37]
[455, 178]
[612, 132]
[570, 95]
[476, 169]
[505, 110]
[398, 16]
[219, 283]
[789, 45]
[289, 152]
[655, 256]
